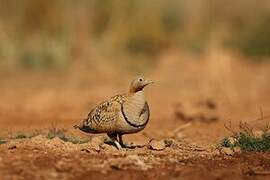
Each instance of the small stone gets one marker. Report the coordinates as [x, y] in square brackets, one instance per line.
[227, 151]
[157, 145]
[237, 149]
[258, 134]
[216, 152]
[232, 140]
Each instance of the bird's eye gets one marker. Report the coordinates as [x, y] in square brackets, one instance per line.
[140, 79]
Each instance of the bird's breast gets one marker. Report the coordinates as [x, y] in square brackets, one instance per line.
[134, 113]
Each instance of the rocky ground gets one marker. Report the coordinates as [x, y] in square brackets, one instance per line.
[42, 158]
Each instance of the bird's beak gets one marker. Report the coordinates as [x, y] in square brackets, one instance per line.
[148, 82]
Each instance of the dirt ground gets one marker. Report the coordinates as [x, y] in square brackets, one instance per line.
[190, 103]
[40, 158]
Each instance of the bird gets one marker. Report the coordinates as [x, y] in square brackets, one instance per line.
[121, 114]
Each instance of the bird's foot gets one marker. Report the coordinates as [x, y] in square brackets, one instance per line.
[112, 142]
[128, 145]
[118, 146]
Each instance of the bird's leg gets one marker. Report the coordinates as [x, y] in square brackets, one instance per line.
[113, 137]
[125, 145]
[121, 140]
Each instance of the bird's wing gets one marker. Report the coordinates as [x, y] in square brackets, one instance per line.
[103, 116]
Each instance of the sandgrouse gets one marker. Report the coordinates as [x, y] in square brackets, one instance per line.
[121, 114]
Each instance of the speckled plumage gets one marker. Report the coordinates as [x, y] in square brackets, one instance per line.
[103, 116]
[121, 114]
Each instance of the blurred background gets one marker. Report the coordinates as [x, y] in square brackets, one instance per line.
[210, 59]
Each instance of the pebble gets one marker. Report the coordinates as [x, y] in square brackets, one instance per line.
[237, 149]
[157, 145]
[227, 151]
[232, 140]
[258, 134]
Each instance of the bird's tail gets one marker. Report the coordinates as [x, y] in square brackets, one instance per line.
[83, 126]
[79, 125]
[76, 126]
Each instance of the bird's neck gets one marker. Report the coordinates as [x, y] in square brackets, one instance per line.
[136, 102]
[137, 95]
[134, 90]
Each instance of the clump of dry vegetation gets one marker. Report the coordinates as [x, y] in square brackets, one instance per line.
[2, 140]
[21, 135]
[247, 139]
[40, 34]
[51, 133]
[62, 134]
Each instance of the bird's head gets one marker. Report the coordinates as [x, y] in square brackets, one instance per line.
[138, 84]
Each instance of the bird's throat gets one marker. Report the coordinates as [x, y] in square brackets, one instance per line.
[133, 107]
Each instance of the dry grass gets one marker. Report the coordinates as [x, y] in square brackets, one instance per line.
[42, 35]
[2, 140]
[247, 138]
[51, 133]
[62, 134]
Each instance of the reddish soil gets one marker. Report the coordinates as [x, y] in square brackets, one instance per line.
[56, 161]
[40, 158]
